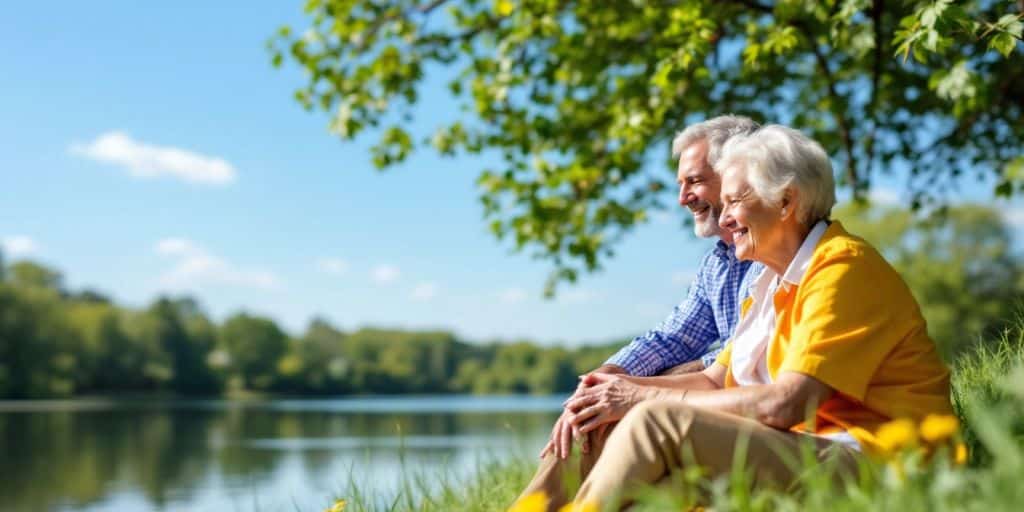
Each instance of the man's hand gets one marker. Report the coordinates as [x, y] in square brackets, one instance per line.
[604, 398]
[690, 367]
[560, 443]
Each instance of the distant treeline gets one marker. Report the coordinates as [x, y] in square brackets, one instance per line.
[961, 266]
[59, 343]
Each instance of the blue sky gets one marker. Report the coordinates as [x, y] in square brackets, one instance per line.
[285, 220]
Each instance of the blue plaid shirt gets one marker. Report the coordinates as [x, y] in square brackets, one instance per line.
[700, 326]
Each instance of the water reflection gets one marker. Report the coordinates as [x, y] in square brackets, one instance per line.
[294, 454]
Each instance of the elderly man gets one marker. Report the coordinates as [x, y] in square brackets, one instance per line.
[695, 331]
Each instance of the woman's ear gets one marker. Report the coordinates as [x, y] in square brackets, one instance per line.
[788, 202]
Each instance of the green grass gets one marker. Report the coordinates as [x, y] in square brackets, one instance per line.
[988, 396]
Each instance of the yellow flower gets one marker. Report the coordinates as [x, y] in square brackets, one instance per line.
[339, 506]
[579, 507]
[960, 454]
[504, 7]
[935, 428]
[536, 502]
[896, 435]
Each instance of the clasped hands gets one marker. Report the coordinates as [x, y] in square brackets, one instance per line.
[600, 400]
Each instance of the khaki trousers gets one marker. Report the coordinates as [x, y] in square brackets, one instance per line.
[559, 478]
[656, 438]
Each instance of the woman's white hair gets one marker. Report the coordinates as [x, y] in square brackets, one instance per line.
[777, 157]
[716, 131]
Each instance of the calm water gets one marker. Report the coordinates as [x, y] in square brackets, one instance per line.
[253, 455]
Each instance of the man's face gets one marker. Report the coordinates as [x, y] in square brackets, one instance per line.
[699, 189]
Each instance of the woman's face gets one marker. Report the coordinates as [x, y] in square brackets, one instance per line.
[756, 226]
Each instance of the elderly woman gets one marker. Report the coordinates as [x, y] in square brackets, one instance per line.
[831, 344]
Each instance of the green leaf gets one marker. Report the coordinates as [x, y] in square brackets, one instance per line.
[1002, 43]
[1014, 29]
[1014, 170]
[1006, 19]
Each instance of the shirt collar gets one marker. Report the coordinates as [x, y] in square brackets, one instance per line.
[797, 267]
[795, 272]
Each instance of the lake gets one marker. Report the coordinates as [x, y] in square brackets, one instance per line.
[267, 455]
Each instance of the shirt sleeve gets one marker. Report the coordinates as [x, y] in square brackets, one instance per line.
[711, 355]
[850, 313]
[684, 336]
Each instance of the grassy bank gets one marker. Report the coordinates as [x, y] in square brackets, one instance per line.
[988, 396]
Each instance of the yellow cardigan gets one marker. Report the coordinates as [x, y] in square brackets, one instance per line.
[853, 324]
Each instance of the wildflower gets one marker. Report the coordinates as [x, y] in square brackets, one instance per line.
[338, 506]
[536, 502]
[960, 454]
[935, 428]
[897, 435]
[579, 507]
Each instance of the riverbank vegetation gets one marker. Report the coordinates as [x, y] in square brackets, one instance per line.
[56, 342]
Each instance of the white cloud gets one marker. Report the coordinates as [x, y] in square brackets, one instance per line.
[333, 266]
[664, 217]
[683, 277]
[175, 247]
[385, 274]
[424, 291]
[512, 295]
[1014, 217]
[884, 196]
[18, 245]
[195, 266]
[149, 160]
[648, 310]
[578, 296]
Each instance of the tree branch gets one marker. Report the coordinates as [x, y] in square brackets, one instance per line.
[425, 9]
[877, 10]
[844, 128]
[758, 7]
[372, 30]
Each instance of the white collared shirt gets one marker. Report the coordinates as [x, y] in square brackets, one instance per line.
[749, 362]
[755, 330]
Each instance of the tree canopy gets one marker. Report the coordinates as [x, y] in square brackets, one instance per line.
[578, 96]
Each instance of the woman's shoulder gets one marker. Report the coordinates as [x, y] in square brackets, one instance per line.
[840, 253]
[837, 242]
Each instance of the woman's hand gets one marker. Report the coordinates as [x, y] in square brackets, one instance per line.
[601, 399]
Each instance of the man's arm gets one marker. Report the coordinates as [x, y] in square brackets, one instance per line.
[707, 379]
[683, 369]
[683, 336]
[613, 369]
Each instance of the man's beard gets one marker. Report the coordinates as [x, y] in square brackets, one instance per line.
[708, 227]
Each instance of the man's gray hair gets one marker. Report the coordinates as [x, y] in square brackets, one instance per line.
[777, 157]
[716, 131]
